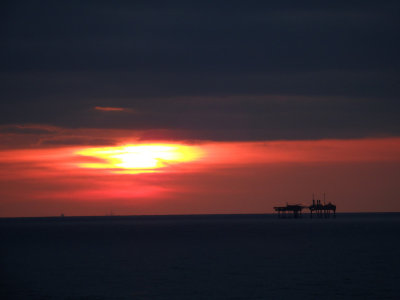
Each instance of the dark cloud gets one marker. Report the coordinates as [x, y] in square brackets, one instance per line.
[34, 129]
[223, 70]
[74, 141]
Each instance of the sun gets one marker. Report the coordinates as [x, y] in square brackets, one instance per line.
[141, 158]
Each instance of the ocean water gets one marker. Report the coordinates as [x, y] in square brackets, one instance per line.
[354, 256]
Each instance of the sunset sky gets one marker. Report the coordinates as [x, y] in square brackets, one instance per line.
[170, 107]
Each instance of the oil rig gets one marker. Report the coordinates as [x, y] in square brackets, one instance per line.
[317, 209]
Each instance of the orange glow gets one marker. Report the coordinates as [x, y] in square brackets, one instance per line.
[164, 177]
[107, 108]
[144, 158]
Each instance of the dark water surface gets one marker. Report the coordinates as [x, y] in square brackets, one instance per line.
[355, 256]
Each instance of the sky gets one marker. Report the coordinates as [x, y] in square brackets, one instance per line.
[181, 107]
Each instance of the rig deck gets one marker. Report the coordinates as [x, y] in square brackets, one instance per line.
[317, 209]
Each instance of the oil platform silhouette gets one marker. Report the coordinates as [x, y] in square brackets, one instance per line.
[317, 209]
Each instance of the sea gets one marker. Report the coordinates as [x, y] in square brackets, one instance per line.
[352, 256]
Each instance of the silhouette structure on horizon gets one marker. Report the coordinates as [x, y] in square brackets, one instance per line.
[317, 208]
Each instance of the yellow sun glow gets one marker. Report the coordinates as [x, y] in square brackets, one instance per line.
[143, 158]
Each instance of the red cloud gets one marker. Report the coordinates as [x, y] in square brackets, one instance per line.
[232, 177]
[109, 108]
